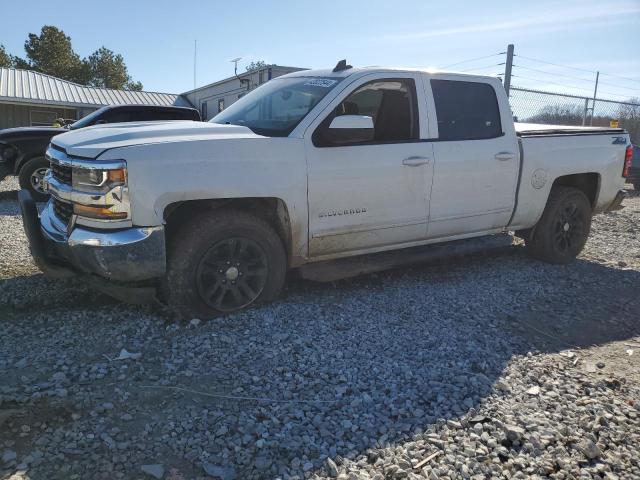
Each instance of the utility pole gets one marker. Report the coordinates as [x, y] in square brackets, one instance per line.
[195, 51]
[507, 69]
[595, 92]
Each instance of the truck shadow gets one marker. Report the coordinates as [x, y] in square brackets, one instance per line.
[574, 306]
[352, 367]
[8, 195]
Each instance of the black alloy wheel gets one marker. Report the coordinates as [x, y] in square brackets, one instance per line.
[569, 228]
[232, 274]
[223, 261]
[562, 231]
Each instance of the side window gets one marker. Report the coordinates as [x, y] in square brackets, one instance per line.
[42, 118]
[116, 116]
[146, 115]
[466, 110]
[392, 105]
[204, 110]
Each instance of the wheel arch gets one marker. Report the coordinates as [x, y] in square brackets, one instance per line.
[274, 210]
[23, 159]
[588, 183]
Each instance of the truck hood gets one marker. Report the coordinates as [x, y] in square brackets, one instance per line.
[90, 142]
[9, 134]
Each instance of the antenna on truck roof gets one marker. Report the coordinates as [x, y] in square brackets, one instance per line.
[341, 65]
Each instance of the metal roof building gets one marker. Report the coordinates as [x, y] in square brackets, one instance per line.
[33, 98]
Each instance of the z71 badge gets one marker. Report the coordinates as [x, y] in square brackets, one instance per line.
[350, 211]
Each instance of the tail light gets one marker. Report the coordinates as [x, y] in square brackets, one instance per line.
[628, 156]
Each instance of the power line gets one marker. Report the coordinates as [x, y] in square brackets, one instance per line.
[577, 68]
[539, 80]
[555, 74]
[473, 60]
[570, 86]
[591, 80]
[546, 72]
[556, 64]
[621, 77]
[619, 86]
[482, 68]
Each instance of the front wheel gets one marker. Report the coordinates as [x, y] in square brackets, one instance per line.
[222, 262]
[31, 175]
[562, 231]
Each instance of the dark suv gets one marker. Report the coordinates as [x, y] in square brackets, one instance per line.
[22, 149]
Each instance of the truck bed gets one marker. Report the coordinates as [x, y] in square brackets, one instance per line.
[538, 130]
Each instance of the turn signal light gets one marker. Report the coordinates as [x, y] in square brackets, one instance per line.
[116, 176]
[628, 156]
[98, 212]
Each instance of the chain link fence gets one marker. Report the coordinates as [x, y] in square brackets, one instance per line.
[536, 106]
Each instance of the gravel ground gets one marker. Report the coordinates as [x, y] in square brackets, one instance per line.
[492, 367]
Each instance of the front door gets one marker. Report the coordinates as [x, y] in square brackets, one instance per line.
[372, 194]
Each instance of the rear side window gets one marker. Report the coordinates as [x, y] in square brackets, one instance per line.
[466, 110]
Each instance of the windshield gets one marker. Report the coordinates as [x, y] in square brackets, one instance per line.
[88, 120]
[278, 106]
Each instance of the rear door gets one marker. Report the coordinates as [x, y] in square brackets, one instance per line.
[476, 157]
[367, 195]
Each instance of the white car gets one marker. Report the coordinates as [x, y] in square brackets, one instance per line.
[313, 166]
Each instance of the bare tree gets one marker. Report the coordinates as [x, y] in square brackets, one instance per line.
[558, 115]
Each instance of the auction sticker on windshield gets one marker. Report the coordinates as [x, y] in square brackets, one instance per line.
[321, 82]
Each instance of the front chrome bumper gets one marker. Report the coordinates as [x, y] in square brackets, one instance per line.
[126, 255]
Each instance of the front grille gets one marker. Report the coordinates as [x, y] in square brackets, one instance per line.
[63, 210]
[62, 173]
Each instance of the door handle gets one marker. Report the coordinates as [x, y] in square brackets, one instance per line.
[503, 156]
[415, 161]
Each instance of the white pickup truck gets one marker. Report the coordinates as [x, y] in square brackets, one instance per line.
[314, 166]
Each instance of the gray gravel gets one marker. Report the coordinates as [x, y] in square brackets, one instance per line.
[492, 367]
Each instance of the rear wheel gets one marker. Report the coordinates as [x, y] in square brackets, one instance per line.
[562, 231]
[222, 262]
[31, 175]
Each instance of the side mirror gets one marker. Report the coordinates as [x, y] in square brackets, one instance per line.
[350, 129]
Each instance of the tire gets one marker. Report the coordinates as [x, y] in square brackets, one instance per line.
[636, 185]
[562, 231]
[30, 177]
[223, 262]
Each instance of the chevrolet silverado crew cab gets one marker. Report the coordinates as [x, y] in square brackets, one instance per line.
[314, 166]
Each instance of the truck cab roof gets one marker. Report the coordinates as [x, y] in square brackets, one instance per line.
[357, 71]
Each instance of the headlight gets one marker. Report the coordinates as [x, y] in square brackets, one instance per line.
[99, 180]
[101, 191]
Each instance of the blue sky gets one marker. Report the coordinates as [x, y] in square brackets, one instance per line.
[157, 37]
